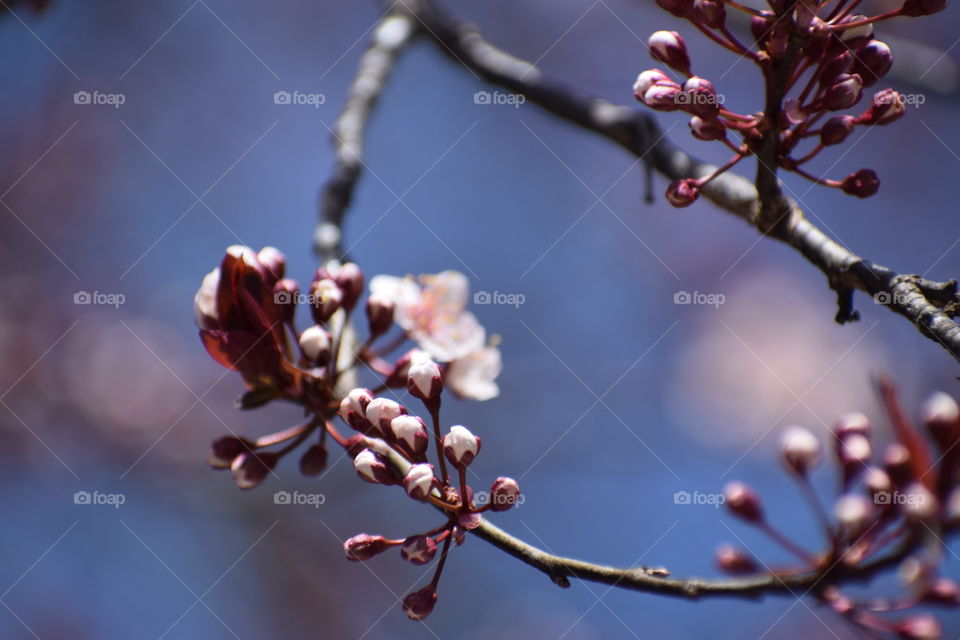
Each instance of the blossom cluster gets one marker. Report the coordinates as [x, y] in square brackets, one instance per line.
[817, 60]
[246, 312]
[911, 492]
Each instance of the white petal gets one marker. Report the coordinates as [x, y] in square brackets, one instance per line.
[474, 376]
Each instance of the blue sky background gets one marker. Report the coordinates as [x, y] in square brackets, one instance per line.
[613, 398]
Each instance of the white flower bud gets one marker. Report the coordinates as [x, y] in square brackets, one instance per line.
[315, 344]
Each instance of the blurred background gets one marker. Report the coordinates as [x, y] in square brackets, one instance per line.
[613, 397]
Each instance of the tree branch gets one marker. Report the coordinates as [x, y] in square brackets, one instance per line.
[927, 304]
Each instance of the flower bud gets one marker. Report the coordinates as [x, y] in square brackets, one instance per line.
[922, 626]
[225, 449]
[733, 561]
[679, 8]
[419, 481]
[411, 433]
[863, 183]
[419, 604]
[683, 193]
[835, 67]
[647, 79]
[917, 503]
[853, 422]
[205, 301]
[374, 468]
[760, 27]
[469, 521]
[348, 279]
[668, 47]
[941, 416]
[707, 129]
[873, 62]
[877, 482]
[712, 13]
[286, 292]
[250, 469]
[460, 446]
[743, 502]
[381, 411]
[700, 97]
[424, 379]
[663, 96]
[379, 314]
[845, 92]
[942, 591]
[887, 106]
[314, 460]
[418, 549]
[355, 445]
[801, 450]
[273, 262]
[917, 8]
[853, 452]
[326, 299]
[364, 546]
[836, 129]
[504, 493]
[853, 512]
[855, 37]
[315, 345]
[353, 409]
[896, 462]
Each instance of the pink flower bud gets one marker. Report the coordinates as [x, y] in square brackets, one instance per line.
[379, 314]
[663, 96]
[250, 469]
[896, 462]
[504, 493]
[381, 411]
[348, 278]
[853, 422]
[646, 80]
[460, 446]
[224, 450]
[844, 93]
[419, 604]
[683, 193]
[707, 129]
[411, 433]
[285, 295]
[941, 416]
[863, 183]
[836, 129]
[942, 591]
[743, 502]
[424, 379]
[325, 298]
[205, 301]
[735, 561]
[854, 513]
[364, 546]
[419, 481]
[418, 549]
[853, 452]
[374, 468]
[314, 460]
[922, 626]
[469, 521]
[699, 97]
[801, 450]
[353, 409]
[917, 503]
[873, 61]
[315, 344]
[887, 106]
[679, 8]
[273, 262]
[877, 482]
[712, 13]
[917, 8]
[668, 47]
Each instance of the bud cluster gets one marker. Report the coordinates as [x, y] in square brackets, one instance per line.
[245, 310]
[882, 504]
[817, 59]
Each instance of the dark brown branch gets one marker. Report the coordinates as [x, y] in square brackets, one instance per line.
[928, 305]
